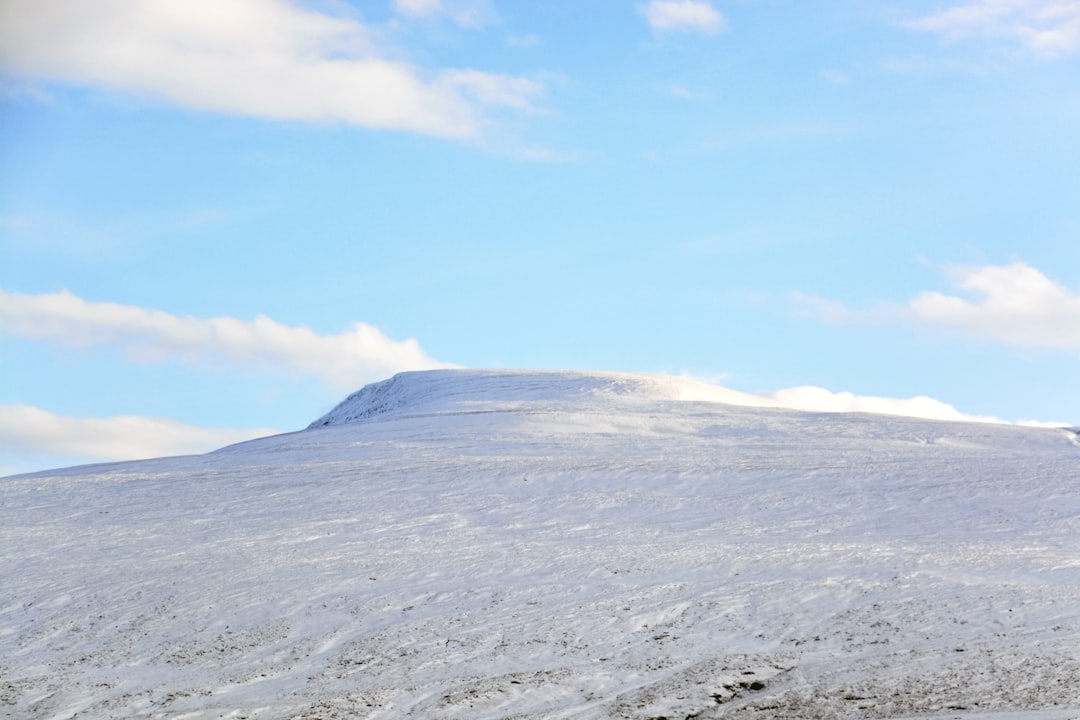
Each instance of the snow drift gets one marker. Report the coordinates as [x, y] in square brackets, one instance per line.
[470, 544]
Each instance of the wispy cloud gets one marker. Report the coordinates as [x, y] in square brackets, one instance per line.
[1047, 26]
[28, 432]
[835, 77]
[262, 58]
[418, 8]
[1014, 304]
[684, 93]
[523, 42]
[473, 14]
[681, 15]
[832, 312]
[345, 361]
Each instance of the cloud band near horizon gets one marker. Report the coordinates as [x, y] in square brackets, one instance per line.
[28, 432]
[344, 361]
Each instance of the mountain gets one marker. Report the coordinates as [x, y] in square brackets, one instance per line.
[503, 544]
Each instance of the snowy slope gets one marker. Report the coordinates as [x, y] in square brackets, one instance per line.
[466, 544]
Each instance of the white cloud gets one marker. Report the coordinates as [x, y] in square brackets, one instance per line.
[30, 432]
[1042, 424]
[263, 58]
[674, 15]
[347, 360]
[808, 398]
[815, 399]
[1014, 304]
[1047, 26]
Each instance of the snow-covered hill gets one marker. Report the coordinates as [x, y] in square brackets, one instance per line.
[457, 391]
[467, 544]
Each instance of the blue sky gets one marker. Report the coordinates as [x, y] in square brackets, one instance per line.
[219, 219]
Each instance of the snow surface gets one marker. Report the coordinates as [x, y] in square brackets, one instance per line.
[467, 544]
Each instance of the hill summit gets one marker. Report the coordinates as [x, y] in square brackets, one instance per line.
[462, 390]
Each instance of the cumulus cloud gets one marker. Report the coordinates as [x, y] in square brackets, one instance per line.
[262, 58]
[815, 399]
[28, 432]
[1014, 304]
[676, 15]
[1046, 26]
[347, 360]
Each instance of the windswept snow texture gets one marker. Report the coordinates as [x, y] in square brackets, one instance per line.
[463, 544]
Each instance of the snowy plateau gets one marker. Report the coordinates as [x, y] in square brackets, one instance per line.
[503, 544]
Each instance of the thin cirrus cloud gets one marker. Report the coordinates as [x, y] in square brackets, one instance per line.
[1051, 27]
[683, 15]
[1014, 304]
[29, 433]
[344, 361]
[261, 58]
